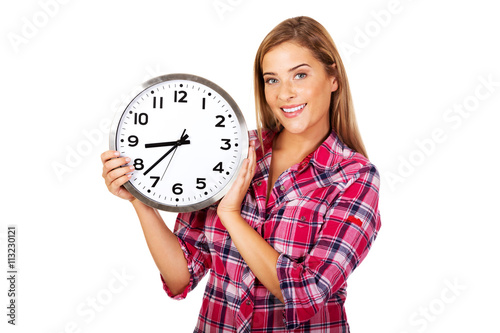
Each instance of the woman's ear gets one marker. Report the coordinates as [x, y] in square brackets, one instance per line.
[334, 81]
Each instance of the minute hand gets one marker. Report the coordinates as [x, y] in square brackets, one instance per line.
[177, 144]
[183, 141]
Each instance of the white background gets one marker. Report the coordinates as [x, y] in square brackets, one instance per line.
[67, 65]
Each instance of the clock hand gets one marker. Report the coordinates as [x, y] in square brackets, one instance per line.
[161, 144]
[171, 158]
[182, 141]
[161, 158]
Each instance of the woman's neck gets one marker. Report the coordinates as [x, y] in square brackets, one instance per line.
[299, 145]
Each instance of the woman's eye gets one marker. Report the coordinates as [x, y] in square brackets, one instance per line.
[271, 81]
[300, 76]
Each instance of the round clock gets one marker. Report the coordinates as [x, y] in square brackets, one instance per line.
[186, 138]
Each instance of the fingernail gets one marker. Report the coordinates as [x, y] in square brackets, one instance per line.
[127, 159]
[116, 153]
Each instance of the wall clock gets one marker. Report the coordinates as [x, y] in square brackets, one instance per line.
[186, 138]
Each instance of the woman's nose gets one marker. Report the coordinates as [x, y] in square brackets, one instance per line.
[287, 91]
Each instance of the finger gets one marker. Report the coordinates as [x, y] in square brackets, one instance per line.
[107, 155]
[241, 174]
[115, 186]
[114, 163]
[118, 172]
[251, 162]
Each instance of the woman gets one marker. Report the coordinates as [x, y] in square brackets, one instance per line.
[302, 214]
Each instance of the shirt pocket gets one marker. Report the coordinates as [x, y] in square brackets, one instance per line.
[296, 229]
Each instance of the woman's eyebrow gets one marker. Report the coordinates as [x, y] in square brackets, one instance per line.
[290, 70]
[294, 68]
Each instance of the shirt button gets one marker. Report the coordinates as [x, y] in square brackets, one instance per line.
[259, 183]
[248, 302]
[282, 187]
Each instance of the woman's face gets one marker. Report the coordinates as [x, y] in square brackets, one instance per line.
[298, 89]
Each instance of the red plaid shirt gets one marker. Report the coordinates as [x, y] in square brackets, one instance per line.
[322, 217]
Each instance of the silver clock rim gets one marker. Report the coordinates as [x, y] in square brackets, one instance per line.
[244, 141]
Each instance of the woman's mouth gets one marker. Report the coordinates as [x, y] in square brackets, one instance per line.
[291, 111]
[293, 108]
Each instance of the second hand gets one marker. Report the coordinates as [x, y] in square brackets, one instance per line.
[171, 158]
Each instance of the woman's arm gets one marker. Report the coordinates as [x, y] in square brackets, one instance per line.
[164, 247]
[257, 253]
[163, 244]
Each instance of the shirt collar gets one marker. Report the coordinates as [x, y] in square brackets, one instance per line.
[329, 153]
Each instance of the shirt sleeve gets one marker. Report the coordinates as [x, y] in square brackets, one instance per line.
[190, 234]
[350, 226]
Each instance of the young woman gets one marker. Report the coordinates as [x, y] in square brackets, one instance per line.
[302, 214]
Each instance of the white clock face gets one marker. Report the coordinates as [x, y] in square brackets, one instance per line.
[186, 138]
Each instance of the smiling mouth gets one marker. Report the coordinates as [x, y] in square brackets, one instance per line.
[294, 109]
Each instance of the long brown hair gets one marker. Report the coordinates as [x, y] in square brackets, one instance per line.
[308, 33]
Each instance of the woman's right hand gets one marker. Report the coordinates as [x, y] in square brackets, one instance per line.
[116, 173]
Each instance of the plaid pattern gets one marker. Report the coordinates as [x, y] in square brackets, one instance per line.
[322, 217]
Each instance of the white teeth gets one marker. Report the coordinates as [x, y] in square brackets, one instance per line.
[294, 109]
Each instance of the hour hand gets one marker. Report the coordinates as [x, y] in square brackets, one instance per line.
[162, 144]
[183, 141]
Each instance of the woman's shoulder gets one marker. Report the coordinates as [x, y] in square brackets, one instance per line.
[266, 134]
[338, 160]
[267, 137]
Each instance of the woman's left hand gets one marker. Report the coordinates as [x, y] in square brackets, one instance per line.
[231, 203]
